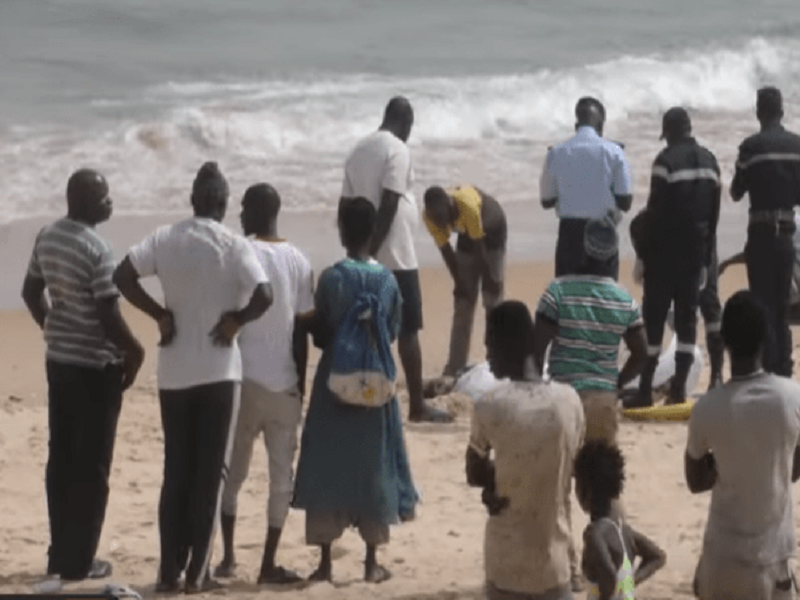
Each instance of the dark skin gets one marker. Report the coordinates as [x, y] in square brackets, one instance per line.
[91, 207]
[603, 551]
[262, 222]
[373, 571]
[701, 473]
[445, 217]
[593, 117]
[545, 331]
[230, 322]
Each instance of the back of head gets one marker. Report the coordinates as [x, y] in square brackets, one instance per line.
[86, 189]
[509, 329]
[744, 325]
[675, 124]
[600, 470]
[261, 203]
[437, 202]
[356, 222]
[590, 111]
[398, 117]
[210, 192]
[769, 104]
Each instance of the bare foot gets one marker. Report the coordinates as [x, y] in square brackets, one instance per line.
[278, 575]
[321, 574]
[377, 574]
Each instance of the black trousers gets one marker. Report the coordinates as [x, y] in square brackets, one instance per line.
[83, 409]
[770, 258]
[710, 306]
[198, 427]
[570, 253]
[676, 281]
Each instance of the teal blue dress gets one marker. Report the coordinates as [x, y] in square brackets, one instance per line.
[353, 459]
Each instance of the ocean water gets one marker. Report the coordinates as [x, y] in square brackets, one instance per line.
[280, 90]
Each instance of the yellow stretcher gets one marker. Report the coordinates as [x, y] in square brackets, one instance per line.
[672, 412]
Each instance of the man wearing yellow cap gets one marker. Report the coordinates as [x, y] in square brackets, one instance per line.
[478, 261]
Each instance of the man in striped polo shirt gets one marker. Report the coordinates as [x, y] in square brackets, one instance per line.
[679, 241]
[768, 169]
[585, 316]
[92, 357]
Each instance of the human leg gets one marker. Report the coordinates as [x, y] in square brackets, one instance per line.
[570, 254]
[711, 309]
[374, 534]
[600, 409]
[280, 438]
[686, 302]
[658, 294]
[785, 254]
[217, 407]
[763, 271]
[173, 509]
[463, 312]
[85, 410]
[249, 424]
[322, 529]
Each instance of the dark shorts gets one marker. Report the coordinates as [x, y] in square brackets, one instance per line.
[408, 282]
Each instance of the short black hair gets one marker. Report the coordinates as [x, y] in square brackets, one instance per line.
[265, 197]
[82, 184]
[744, 324]
[210, 186]
[585, 106]
[356, 221]
[600, 468]
[511, 326]
[769, 102]
[435, 196]
[398, 109]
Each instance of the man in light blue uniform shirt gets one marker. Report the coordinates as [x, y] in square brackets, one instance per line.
[584, 178]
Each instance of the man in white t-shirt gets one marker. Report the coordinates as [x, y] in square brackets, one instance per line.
[535, 430]
[379, 169]
[208, 273]
[274, 357]
[743, 446]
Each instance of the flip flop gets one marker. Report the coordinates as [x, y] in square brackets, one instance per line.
[279, 576]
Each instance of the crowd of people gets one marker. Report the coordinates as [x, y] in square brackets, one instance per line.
[238, 311]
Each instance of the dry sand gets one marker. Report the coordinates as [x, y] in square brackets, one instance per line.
[437, 556]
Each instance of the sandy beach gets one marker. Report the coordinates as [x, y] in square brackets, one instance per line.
[439, 555]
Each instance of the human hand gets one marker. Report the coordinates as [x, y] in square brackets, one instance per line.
[226, 329]
[638, 272]
[494, 503]
[131, 365]
[166, 327]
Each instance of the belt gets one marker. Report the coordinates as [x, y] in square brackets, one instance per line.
[773, 217]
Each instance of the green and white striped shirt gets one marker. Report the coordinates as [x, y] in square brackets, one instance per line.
[76, 265]
[592, 314]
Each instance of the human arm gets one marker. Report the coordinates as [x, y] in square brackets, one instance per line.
[126, 278]
[736, 259]
[117, 331]
[386, 213]
[548, 184]
[796, 465]
[300, 348]
[623, 187]
[653, 557]
[597, 563]
[33, 295]
[636, 341]
[231, 322]
[739, 184]
[544, 332]
[480, 467]
[701, 473]
[699, 465]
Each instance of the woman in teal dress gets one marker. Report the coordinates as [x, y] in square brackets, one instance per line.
[353, 468]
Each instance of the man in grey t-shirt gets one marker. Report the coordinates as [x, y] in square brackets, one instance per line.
[743, 446]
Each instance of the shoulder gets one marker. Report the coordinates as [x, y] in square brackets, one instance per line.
[612, 148]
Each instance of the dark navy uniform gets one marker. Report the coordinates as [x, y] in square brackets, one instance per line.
[768, 169]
